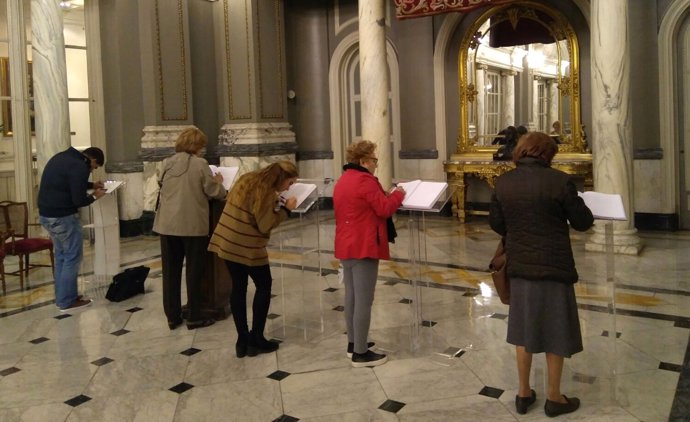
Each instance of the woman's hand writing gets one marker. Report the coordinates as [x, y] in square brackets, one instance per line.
[291, 203]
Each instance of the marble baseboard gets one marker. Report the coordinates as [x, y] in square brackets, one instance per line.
[139, 226]
[656, 221]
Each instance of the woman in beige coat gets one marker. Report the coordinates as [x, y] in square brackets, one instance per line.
[182, 223]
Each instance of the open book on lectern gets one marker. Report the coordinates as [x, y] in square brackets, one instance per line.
[422, 195]
[604, 206]
[229, 174]
[301, 191]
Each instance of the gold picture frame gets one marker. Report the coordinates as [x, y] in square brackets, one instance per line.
[6, 92]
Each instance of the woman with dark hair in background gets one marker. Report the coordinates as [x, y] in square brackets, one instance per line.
[182, 223]
[254, 208]
[361, 240]
[531, 207]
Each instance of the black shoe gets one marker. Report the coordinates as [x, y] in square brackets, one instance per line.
[241, 350]
[200, 324]
[174, 324]
[261, 345]
[351, 348]
[368, 359]
[554, 408]
[522, 404]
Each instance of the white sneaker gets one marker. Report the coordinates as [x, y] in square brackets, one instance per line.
[368, 359]
[77, 304]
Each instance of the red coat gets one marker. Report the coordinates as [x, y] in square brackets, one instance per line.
[361, 209]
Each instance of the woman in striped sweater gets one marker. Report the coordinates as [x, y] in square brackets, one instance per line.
[252, 210]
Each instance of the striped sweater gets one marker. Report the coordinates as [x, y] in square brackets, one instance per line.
[241, 234]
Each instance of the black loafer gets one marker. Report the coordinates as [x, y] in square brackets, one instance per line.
[258, 346]
[241, 350]
[200, 324]
[522, 404]
[554, 408]
[174, 324]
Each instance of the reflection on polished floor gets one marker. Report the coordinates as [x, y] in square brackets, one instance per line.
[120, 362]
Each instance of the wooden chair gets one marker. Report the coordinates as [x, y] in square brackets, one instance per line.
[15, 221]
[3, 239]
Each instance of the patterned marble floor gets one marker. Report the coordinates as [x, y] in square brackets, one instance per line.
[444, 333]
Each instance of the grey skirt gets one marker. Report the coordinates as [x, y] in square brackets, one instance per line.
[543, 317]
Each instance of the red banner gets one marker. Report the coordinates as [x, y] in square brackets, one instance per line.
[406, 9]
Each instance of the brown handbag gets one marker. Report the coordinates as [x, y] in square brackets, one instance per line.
[498, 273]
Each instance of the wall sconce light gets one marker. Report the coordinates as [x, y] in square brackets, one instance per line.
[291, 94]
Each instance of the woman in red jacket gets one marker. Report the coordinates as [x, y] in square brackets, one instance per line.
[361, 239]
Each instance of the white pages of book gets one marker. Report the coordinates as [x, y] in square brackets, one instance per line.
[229, 174]
[604, 206]
[301, 191]
[422, 195]
[111, 185]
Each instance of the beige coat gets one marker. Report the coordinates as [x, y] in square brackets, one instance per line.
[187, 186]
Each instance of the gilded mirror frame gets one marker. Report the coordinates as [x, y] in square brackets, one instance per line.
[569, 86]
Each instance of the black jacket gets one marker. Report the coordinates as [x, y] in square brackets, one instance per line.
[531, 207]
[64, 183]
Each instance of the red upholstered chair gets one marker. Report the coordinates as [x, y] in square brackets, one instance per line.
[16, 222]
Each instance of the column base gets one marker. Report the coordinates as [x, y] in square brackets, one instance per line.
[625, 240]
[251, 146]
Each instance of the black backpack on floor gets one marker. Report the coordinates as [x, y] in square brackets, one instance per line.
[128, 283]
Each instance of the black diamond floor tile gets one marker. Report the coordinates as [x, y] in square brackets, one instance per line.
[285, 418]
[181, 388]
[62, 316]
[670, 367]
[392, 406]
[272, 316]
[499, 316]
[682, 324]
[405, 300]
[390, 283]
[135, 309]
[491, 392]
[339, 308]
[78, 400]
[272, 296]
[120, 332]
[427, 323]
[584, 378]
[279, 375]
[9, 371]
[605, 333]
[102, 361]
[39, 340]
[330, 290]
[191, 351]
[470, 294]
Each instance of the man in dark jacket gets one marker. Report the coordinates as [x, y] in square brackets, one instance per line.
[62, 192]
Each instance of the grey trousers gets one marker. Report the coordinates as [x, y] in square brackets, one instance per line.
[359, 276]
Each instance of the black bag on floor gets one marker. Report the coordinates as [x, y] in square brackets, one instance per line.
[128, 283]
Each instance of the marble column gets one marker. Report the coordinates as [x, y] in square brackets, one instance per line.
[375, 84]
[21, 127]
[554, 103]
[508, 98]
[252, 89]
[612, 153]
[481, 97]
[50, 80]
[167, 86]
[534, 109]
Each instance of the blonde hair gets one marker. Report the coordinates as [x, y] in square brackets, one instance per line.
[191, 141]
[357, 151]
[261, 183]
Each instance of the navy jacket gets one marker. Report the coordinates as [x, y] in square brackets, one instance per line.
[64, 183]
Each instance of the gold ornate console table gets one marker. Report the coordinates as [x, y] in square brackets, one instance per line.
[486, 169]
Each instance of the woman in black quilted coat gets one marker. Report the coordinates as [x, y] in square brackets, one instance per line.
[531, 207]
